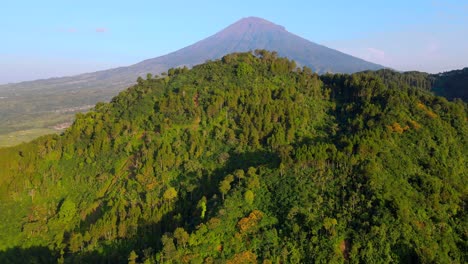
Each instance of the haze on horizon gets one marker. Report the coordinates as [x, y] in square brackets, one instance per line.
[54, 39]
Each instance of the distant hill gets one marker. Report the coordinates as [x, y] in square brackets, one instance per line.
[452, 84]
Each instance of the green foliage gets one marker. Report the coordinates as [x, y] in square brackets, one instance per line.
[133, 256]
[67, 211]
[249, 197]
[452, 84]
[225, 185]
[244, 160]
[170, 194]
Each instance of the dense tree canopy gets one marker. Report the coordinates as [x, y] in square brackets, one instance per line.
[243, 160]
[452, 84]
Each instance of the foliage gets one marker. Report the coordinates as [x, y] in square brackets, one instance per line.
[452, 84]
[243, 160]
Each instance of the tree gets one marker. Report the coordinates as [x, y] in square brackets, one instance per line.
[240, 175]
[249, 197]
[140, 81]
[132, 258]
[169, 250]
[170, 194]
[181, 236]
[76, 242]
[329, 224]
[225, 185]
[67, 211]
[202, 206]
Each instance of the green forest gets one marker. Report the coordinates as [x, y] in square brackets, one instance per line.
[246, 159]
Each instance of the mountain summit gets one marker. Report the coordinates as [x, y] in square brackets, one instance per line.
[252, 25]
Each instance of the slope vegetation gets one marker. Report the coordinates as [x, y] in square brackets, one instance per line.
[246, 159]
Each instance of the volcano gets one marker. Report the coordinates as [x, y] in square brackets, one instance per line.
[244, 35]
[256, 33]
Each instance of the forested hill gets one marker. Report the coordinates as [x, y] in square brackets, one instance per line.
[246, 159]
[451, 85]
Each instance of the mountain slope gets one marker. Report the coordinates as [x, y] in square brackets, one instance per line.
[244, 160]
[46, 103]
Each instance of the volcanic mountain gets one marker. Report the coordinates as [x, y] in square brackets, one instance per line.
[256, 33]
[246, 34]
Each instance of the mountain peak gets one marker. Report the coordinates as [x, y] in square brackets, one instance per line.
[252, 24]
[256, 21]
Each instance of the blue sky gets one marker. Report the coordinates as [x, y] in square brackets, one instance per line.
[42, 39]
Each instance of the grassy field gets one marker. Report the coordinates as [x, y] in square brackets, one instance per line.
[27, 112]
[30, 127]
[17, 137]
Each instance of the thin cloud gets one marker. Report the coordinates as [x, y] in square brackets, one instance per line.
[432, 48]
[68, 30]
[101, 30]
[376, 54]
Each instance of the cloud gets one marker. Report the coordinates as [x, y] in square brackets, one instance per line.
[68, 30]
[374, 54]
[356, 48]
[101, 30]
[432, 48]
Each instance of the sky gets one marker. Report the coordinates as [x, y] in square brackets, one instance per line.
[43, 39]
